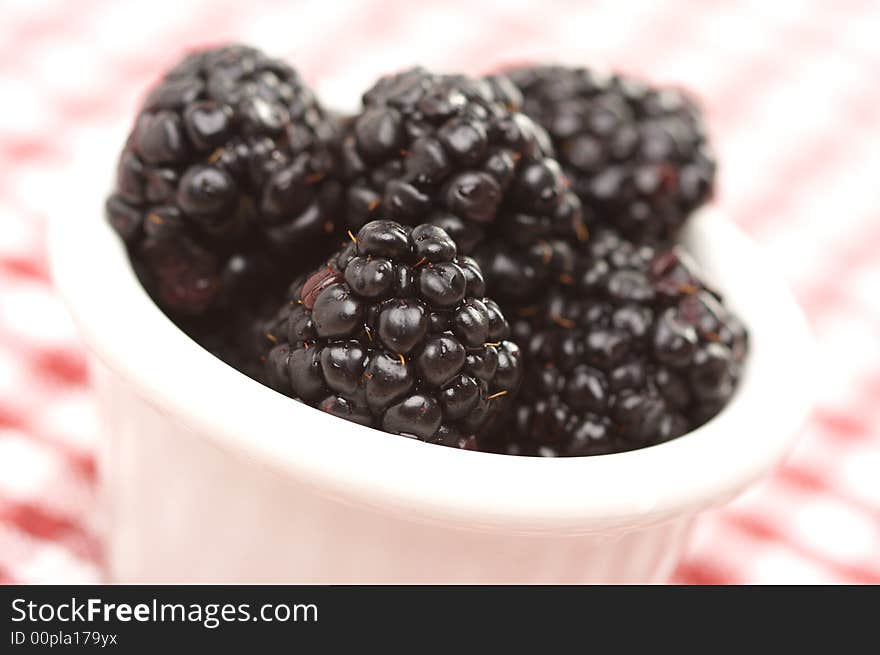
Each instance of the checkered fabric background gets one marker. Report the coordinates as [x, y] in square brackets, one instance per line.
[791, 90]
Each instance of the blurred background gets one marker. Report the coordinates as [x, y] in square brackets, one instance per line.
[792, 99]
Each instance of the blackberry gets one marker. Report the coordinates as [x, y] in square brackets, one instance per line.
[451, 151]
[394, 332]
[226, 173]
[636, 351]
[637, 156]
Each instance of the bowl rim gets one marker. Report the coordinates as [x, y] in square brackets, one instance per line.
[363, 465]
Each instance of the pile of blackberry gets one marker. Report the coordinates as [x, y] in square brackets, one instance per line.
[551, 196]
[226, 176]
[637, 156]
[394, 332]
[636, 351]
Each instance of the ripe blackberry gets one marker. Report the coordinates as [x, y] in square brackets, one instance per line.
[229, 160]
[395, 333]
[637, 156]
[451, 151]
[636, 351]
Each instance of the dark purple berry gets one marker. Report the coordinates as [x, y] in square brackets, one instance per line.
[627, 355]
[445, 150]
[231, 153]
[393, 333]
[637, 156]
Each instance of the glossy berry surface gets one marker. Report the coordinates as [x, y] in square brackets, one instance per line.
[395, 332]
[636, 351]
[452, 151]
[226, 173]
[636, 155]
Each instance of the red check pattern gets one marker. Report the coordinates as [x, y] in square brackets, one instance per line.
[792, 96]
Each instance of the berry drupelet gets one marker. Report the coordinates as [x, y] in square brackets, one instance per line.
[394, 332]
[452, 151]
[637, 156]
[636, 351]
[229, 160]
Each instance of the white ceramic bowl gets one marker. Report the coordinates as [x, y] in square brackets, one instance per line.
[209, 476]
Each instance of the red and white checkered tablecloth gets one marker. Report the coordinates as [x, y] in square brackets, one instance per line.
[793, 101]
